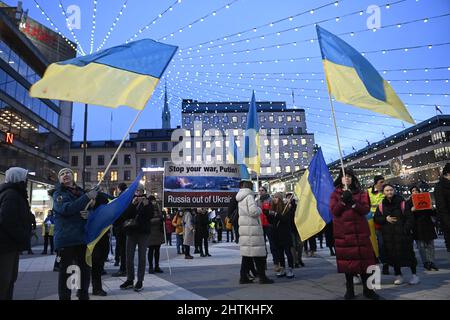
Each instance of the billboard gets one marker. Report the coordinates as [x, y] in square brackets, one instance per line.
[199, 185]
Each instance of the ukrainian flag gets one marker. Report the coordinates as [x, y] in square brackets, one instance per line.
[313, 193]
[101, 219]
[123, 75]
[351, 79]
[236, 158]
[251, 156]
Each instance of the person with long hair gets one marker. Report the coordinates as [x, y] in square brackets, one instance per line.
[397, 231]
[354, 252]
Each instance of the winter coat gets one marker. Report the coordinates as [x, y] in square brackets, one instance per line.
[251, 236]
[375, 198]
[188, 227]
[48, 225]
[423, 229]
[143, 215]
[282, 228]
[15, 218]
[69, 225]
[177, 222]
[397, 237]
[219, 223]
[354, 251]
[442, 196]
[168, 225]
[156, 228]
[201, 225]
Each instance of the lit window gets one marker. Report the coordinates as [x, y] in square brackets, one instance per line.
[288, 119]
[198, 144]
[197, 133]
[266, 142]
[227, 143]
[303, 141]
[287, 169]
[187, 133]
[188, 158]
[218, 143]
[207, 133]
[114, 175]
[271, 118]
[294, 142]
[187, 144]
[286, 155]
[208, 158]
[99, 175]
[285, 142]
[298, 118]
[305, 155]
[235, 132]
[198, 158]
[262, 119]
[297, 168]
[219, 157]
[280, 118]
[277, 155]
[238, 143]
[278, 169]
[295, 155]
[275, 142]
[75, 176]
[267, 155]
[269, 170]
[234, 119]
[208, 144]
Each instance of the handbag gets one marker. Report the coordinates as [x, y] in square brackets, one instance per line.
[132, 223]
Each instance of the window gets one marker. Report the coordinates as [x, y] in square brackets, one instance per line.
[225, 119]
[305, 155]
[154, 147]
[285, 142]
[295, 155]
[234, 119]
[298, 118]
[88, 175]
[281, 130]
[88, 160]
[197, 118]
[280, 118]
[262, 119]
[278, 169]
[197, 133]
[143, 163]
[188, 158]
[114, 163]
[275, 142]
[127, 175]
[218, 143]
[269, 170]
[114, 175]
[187, 120]
[75, 176]
[164, 160]
[143, 147]
[165, 146]
[99, 175]
[297, 168]
[235, 132]
[287, 169]
[127, 159]
[286, 155]
[187, 133]
[266, 142]
[154, 162]
[294, 142]
[216, 120]
[101, 160]
[271, 118]
[303, 141]
[244, 119]
[74, 161]
[205, 119]
[291, 130]
[299, 131]
[288, 119]
[277, 155]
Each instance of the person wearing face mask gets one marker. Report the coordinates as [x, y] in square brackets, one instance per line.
[69, 203]
[396, 228]
[15, 227]
[177, 222]
[354, 252]
[156, 237]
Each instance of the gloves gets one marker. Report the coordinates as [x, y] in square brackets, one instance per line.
[347, 197]
[93, 193]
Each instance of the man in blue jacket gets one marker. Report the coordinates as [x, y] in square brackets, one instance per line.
[69, 202]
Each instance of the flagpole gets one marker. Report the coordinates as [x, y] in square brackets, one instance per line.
[167, 249]
[337, 137]
[120, 146]
[83, 175]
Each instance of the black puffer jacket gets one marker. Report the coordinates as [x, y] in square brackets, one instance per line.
[423, 229]
[15, 218]
[201, 224]
[282, 228]
[398, 236]
[143, 214]
[442, 196]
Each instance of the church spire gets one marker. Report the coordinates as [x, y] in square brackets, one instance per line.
[166, 111]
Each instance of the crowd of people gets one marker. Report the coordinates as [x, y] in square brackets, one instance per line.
[369, 227]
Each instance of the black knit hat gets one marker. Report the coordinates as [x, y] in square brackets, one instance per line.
[446, 169]
[377, 178]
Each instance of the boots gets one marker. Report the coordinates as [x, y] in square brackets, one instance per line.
[332, 253]
[350, 292]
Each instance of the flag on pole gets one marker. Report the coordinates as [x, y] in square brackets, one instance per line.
[236, 158]
[101, 218]
[123, 75]
[313, 193]
[438, 109]
[351, 79]
[251, 146]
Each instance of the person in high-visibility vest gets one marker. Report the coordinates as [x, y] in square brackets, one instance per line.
[376, 197]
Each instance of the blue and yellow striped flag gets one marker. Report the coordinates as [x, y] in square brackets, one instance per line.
[236, 158]
[123, 75]
[313, 192]
[101, 218]
[351, 79]
[251, 147]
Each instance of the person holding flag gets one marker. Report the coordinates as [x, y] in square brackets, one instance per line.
[354, 252]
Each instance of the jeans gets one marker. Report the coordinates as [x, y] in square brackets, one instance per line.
[268, 231]
[382, 256]
[74, 255]
[180, 247]
[426, 250]
[48, 239]
[141, 241]
[228, 235]
[153, 251]
[204, 239]
[169, 238]
[282, 250]
[9, 269]
[219, 235]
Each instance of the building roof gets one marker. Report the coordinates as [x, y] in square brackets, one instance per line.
[194, 106]
[101, 144]
[424, 126]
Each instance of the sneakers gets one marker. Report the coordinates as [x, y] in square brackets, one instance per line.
[138, 286]
[158, 270]
[398, 280]
[281, 273]
[414, 280]
[119, 274]
[127, 285]
[290, 274]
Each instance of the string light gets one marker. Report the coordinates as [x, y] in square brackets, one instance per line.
[79, 49]
[94, 15]
[113, 25]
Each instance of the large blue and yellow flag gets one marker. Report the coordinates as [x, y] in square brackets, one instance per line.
[101, 218]
[313, 193]
[251, 144]
[123, 75]
[351, 79]
[236, 158]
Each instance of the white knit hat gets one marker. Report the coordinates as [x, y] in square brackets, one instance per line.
[15, 175]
